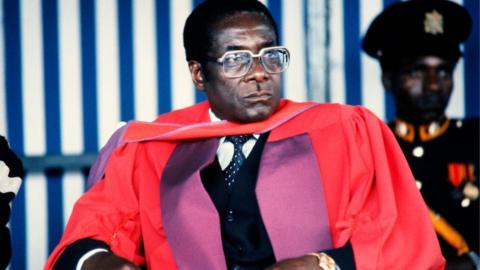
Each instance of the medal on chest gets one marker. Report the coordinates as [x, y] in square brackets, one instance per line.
[462, 177]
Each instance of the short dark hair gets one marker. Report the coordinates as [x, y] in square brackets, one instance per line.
[197, 33]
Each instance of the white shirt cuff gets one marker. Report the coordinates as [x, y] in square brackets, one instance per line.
[88, 255]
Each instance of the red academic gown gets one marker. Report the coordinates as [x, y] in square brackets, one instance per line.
[366, 192]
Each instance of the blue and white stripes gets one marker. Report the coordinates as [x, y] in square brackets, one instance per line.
[71, 70]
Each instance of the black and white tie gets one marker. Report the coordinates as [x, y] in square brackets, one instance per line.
[237, 159]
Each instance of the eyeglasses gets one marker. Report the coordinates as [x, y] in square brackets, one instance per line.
[238, 63]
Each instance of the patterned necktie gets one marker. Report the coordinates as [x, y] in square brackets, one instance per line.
[237, 159]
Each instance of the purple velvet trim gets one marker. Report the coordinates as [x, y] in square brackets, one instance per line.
[289, 192]
[291, 199]
[190, 219]
[98, 168]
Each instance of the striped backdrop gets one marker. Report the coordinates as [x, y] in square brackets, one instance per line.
[71, 70]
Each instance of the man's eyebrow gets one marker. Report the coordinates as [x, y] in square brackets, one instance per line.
[240, 47]
[269, 43]
[235, 48]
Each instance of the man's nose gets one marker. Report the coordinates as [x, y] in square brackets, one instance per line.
[257, 72]
[432, 81]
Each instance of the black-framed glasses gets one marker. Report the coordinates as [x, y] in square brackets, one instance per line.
[238, 63]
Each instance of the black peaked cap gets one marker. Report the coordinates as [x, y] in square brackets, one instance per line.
[418, 27]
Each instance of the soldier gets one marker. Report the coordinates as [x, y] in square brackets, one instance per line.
[418, 46]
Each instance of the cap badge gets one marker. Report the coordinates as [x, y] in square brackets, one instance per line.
[433, 23]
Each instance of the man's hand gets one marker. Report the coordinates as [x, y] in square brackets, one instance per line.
[307, 262]
[108, 261]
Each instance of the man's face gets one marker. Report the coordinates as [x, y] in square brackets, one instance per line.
[422, 88]
[254, 96]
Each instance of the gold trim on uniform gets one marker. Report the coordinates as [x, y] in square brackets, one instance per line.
[448, 233]
[404, 130]
[425, 132]
[431, 131]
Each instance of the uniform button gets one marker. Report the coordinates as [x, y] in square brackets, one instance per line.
[240, 248]
[230, 217]
[419, 184]
[418, 152]
[465, 203]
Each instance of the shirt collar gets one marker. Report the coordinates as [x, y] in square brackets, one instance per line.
[214, 118]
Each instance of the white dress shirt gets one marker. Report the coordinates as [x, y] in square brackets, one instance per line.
[226, 148]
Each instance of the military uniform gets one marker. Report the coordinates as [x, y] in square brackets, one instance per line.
[444, 159]
[443, 155]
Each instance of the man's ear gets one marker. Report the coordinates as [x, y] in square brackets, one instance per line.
[387, 80]
[197, 74]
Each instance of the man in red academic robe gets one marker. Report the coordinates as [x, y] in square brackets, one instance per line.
[247, 180]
